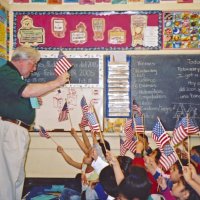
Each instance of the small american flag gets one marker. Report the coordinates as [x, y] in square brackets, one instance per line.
[85, 108]
[168, 157]
[43, 132]
[184, 128]
[130, 144]
[84, 121]
[139, 124]
[64, 113]
[84, 105]
[92, 122]
[128, 129]
[136, 108]
[62, 65]
[192, 127]
[159, 134]
[123, 150]
[179, 133]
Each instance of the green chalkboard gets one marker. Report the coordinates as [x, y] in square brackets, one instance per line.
[84, 71]
[167, 86]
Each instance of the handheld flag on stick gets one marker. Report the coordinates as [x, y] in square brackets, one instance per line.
[184, 127]
[130, 141]
[84, 121]
[128, 129]
[192, 127]
[62, 65]
[136, 108]
[131, 144]
[84, 105]
[168, 157]
[139, 126]
[101, 136]
[92, 122]
[123, 150]
[169, 145]
[159, 134]
[44, 133]
[85, 109]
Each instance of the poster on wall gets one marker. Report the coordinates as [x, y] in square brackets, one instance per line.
[88, 30]
[88, 66]
[3, 37]
[181, 30]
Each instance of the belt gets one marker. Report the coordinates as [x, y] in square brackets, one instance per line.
[16, 121]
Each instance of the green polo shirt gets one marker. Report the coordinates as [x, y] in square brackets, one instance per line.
[12, 104]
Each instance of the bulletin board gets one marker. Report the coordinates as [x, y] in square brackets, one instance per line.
[82, 84]
[88, 30]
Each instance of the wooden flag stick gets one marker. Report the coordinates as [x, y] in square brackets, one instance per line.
[70, 90]
[143, 122]
[188, 138]
[144, 130]
[70, 120]
[101, 136]
[135, 128]
[171, 145]
[54, 141]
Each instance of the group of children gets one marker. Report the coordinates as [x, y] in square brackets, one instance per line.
[105, 176]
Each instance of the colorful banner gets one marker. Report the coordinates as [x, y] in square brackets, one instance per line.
[181, 30]
[88, 30]
[3, 39]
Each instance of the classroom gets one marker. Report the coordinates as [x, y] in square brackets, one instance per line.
[127, 59]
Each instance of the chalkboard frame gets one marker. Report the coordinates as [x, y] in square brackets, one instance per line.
[54, 57]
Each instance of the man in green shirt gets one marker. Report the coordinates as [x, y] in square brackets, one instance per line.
[17, 115]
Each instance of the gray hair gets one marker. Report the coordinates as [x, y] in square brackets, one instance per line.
[25, 53]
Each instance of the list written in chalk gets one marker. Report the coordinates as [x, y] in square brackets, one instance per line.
[84, 71]
[167, 86]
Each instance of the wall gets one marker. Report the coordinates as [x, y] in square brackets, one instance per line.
[43, 160]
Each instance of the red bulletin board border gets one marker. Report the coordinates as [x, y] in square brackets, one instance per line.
[120, 20]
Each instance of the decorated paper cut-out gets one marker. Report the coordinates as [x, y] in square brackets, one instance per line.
[116, 36]
[79, 36]
[28, 34]
[138, 22]
[58, 27]
[98, 27]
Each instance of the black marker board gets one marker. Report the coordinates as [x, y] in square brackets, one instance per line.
[166, 86]
[84, 71]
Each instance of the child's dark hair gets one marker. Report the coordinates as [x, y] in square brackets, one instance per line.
[108, 181]
[197, 148]
[125, 163]
[184, 162]
[158, 155]
[192, 193]
[135, 185]
[107, 145]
